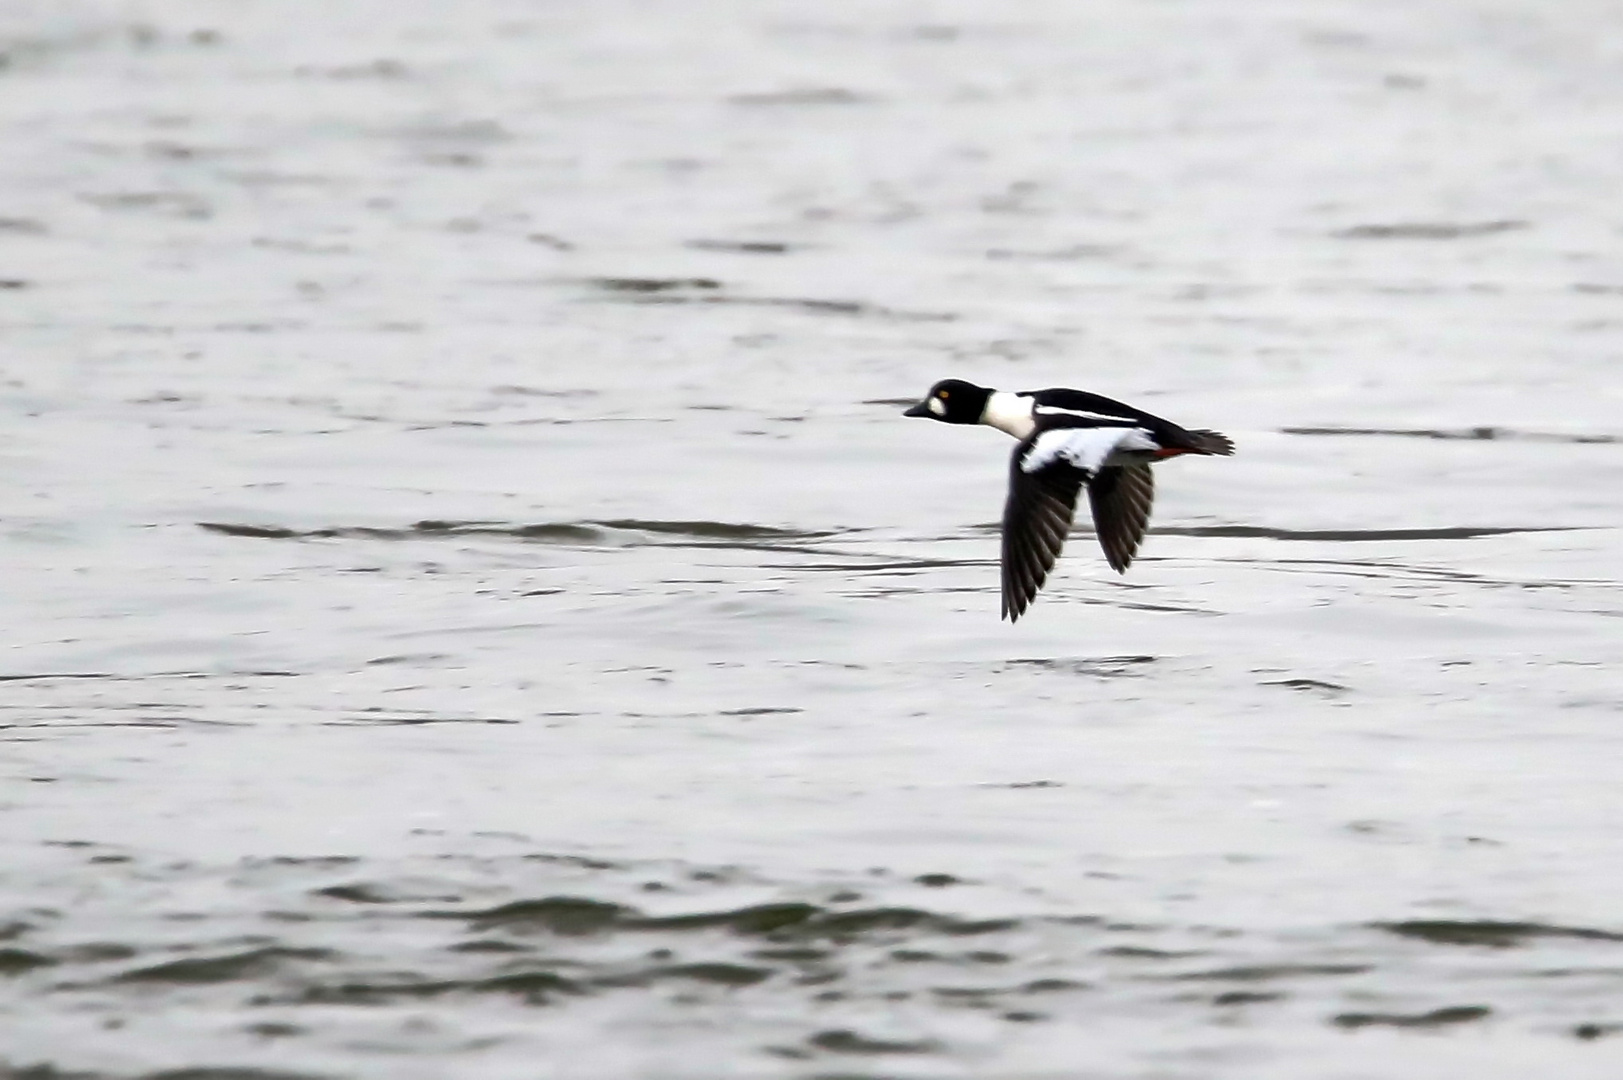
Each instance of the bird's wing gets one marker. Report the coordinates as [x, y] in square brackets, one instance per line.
[1121, 496]
[1036, 519]
[1046, 474]
[1060, 403]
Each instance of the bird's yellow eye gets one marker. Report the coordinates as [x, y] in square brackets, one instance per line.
[942, 395]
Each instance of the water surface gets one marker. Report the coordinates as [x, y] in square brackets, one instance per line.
[475, 609]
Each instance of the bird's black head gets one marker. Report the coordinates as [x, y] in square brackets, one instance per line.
[953, 401]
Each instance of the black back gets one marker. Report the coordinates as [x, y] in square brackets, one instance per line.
[1108, 412]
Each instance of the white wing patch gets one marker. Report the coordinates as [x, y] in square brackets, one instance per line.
[1088, 449]
[1055, 410]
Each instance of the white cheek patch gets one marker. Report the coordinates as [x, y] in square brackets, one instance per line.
[1088, 449]
[937, 407]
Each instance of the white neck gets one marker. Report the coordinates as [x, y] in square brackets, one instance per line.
[1009, 412]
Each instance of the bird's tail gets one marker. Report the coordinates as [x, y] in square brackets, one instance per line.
[1211, 442]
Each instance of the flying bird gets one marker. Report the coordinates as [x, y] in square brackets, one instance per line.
[1069, 439]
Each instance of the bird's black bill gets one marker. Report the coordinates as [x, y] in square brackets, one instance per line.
[921, 409]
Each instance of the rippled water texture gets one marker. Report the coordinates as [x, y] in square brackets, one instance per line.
[474, 608]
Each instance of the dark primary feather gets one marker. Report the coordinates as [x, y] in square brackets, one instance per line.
[1036, 519]
[1121, 496]
[1041, 505]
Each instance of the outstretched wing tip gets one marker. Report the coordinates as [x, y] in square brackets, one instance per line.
[1041, 505]
[1121, 497]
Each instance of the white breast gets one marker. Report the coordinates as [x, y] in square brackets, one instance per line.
[1089, 449]
[1009, 412]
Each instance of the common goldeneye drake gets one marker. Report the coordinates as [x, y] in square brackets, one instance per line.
[1068, 438]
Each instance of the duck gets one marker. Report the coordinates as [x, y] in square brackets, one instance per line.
[1068, 440]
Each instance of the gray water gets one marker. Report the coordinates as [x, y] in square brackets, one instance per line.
[474, 608]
